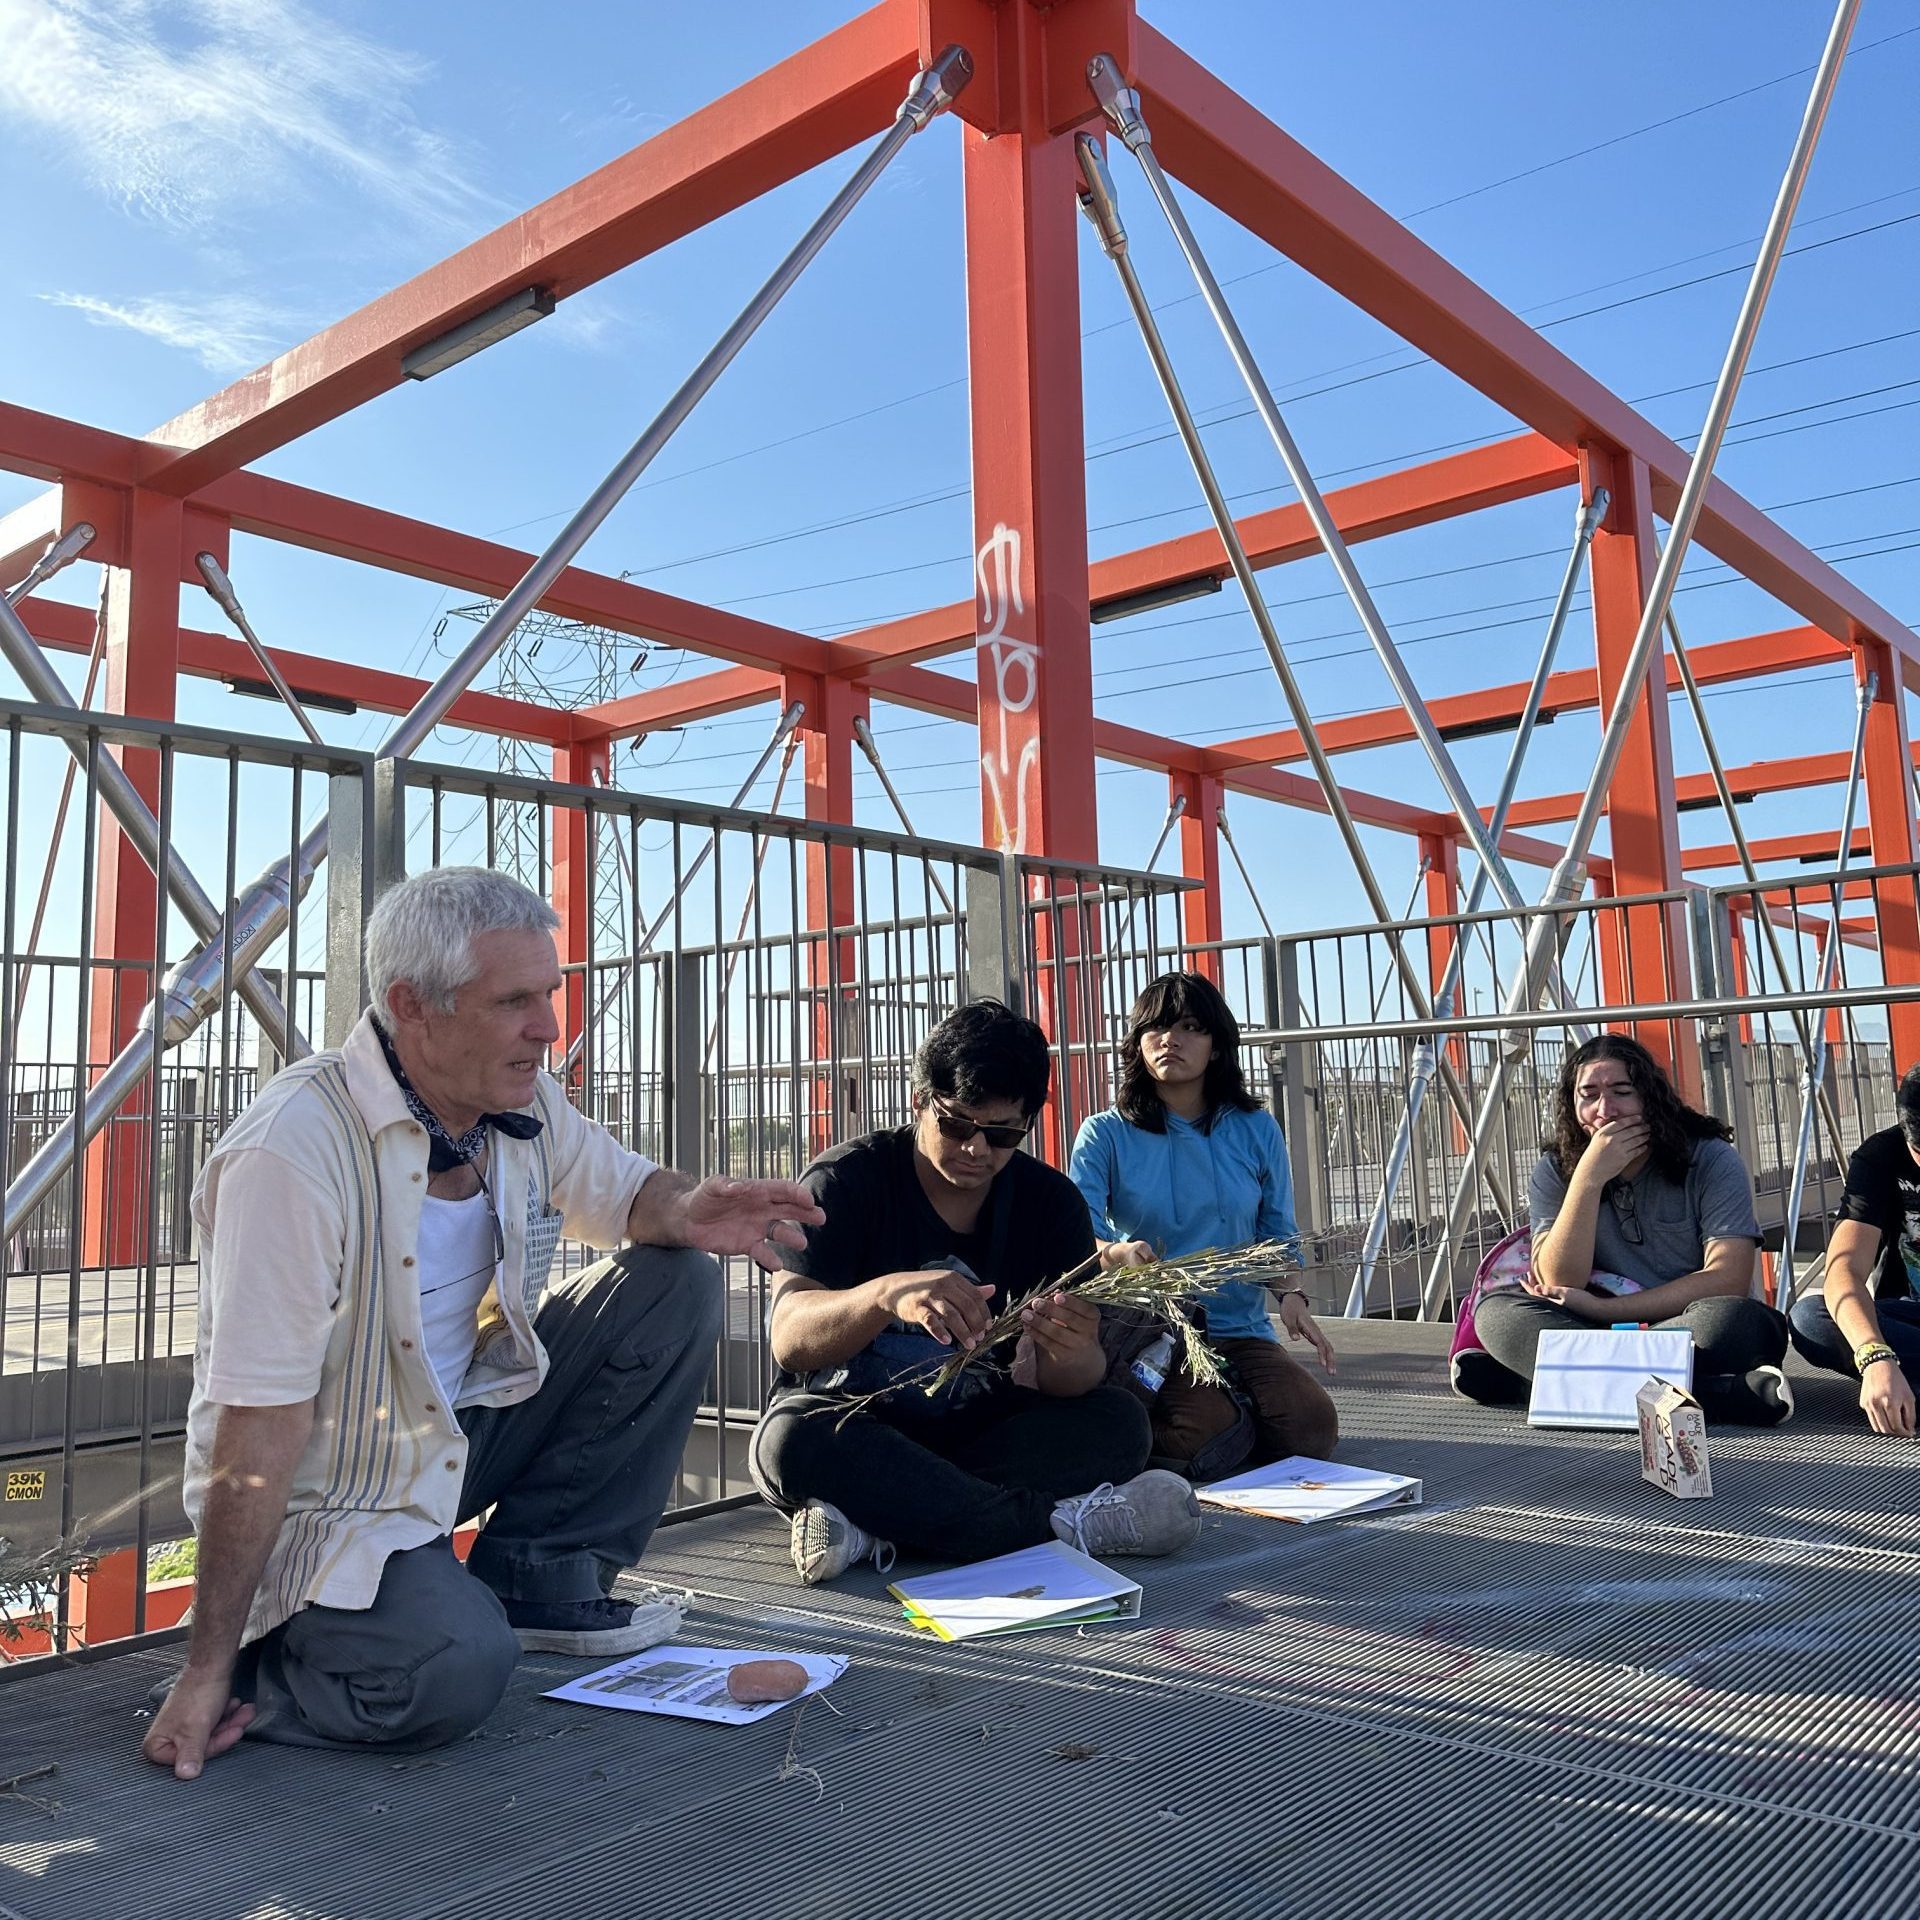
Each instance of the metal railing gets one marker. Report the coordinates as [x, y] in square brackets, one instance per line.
[1344, 1060]
[748, 990]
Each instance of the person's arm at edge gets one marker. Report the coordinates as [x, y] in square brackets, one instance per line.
[1886, 1394]
[1848, 1281]
[255, 1452]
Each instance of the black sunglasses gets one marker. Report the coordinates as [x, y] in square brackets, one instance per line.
[1627, 1210]
[957, 1127]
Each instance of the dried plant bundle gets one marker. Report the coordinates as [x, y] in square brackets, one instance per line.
[1162, 1290]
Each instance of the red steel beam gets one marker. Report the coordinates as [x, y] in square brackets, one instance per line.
[1235, 157]
[702, 698]
[349, 530]
[212, 656]
[1516, 469]
[939, 693]
[1567, 692]
[1824, 847]
[1758, 776]
[841, 89]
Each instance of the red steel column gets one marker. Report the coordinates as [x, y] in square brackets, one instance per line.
[1201, 923]
[1648, 958]
[1029, 495]
[826, 731]
[1888, 770]
[142, 659]
[583, 765]
[1030, 544]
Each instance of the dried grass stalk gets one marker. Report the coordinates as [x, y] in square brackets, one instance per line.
[1161, 1289]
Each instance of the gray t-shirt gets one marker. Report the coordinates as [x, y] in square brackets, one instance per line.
[1648, 1228]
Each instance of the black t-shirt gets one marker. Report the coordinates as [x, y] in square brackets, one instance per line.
[1033, 1228]
[1883, 1191]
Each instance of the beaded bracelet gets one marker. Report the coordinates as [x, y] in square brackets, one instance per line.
[1871, 1354]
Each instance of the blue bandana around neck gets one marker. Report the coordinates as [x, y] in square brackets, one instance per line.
[444, 1152]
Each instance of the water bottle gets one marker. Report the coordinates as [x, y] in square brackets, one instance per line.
[1149, 1367]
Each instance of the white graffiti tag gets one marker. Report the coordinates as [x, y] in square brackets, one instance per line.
[1014, 660]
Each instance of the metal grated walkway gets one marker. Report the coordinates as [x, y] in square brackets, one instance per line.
[1552, 1691]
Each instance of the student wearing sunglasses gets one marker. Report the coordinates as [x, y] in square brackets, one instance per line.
[929, 1231]
[1638, 1194]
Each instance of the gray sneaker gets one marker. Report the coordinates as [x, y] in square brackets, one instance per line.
[601, 1629]
[1154, 1512]
[825, 1543]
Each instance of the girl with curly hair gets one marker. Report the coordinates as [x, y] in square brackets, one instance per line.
[1638, 1194]
[1185, 1159]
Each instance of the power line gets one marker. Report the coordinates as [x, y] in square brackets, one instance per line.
[1248, 495]
[1418, 213]
[709, 727]
[1665, 393]
[942, 496]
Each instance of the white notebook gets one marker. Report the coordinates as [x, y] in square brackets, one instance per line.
[1590, 1376]
[1303, 1490]
[1047, 1586]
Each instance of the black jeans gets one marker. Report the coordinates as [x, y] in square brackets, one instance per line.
[577, 1477]
[960, 1484]
[1731, 1336]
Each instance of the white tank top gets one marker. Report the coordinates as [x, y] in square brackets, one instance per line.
[456, 1269]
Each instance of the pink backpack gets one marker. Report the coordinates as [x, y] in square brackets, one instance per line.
[1506, 1264]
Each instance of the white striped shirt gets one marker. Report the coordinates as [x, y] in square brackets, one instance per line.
[309, 1218]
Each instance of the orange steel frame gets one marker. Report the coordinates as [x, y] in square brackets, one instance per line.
[186, 487]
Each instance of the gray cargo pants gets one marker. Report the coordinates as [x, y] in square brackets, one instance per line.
[577, 1477]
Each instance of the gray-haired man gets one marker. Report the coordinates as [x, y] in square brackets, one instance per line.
[379, 1357]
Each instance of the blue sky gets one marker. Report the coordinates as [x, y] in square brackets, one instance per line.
[193, 186]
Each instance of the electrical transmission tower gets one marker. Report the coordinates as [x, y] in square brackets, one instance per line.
[568, 664]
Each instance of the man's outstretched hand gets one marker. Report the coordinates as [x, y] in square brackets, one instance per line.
[756, 1217]
[200, 1721]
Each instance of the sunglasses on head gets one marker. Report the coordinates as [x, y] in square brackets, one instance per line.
[957, 1127]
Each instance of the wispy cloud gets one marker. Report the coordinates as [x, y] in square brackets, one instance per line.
[225, 332]
[186, 110]
[597, 320]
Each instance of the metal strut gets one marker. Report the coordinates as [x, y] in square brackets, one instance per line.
[1175, 808]
[221, 588]
[1803, 1029]
[196, 986]
[1569, 875]
[67, 777]
[59, 553]
[624, 972]
[864, 734]
[1426, 1054]
[43, 683]
[1101, 206]
[1226, 834]
[761, 842]
[1122, 108]
[1812, 1081]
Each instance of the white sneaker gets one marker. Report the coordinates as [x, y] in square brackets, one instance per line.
[1153, 1513]
[1771, 1388]
[825, 1543]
